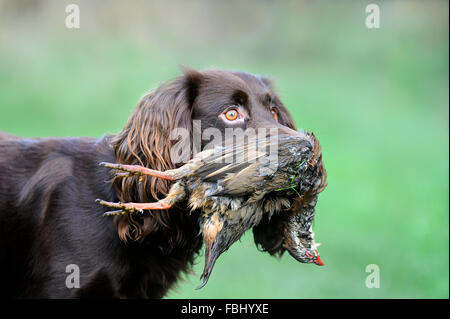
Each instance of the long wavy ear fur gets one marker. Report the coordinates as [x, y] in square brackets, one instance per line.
[145, 140]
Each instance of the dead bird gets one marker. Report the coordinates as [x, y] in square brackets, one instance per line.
[234, 195]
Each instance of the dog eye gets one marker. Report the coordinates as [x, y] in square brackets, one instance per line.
[231, 114]
[274, 113]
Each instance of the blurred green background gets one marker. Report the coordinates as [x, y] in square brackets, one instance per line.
[377, 99]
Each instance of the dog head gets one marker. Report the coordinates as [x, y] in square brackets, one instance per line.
[186, 115]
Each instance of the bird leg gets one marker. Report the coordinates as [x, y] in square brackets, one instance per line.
[131, 208]
[177, 192]
[138, 170]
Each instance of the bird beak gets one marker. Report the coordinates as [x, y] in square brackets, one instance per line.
[318, 261]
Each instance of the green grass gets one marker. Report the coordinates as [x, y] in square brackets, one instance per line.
[377, 100]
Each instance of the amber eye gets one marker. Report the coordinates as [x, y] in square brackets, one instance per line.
[231, 115]
[275, 114]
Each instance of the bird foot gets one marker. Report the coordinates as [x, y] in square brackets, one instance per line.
[131, 170]
[131, 208]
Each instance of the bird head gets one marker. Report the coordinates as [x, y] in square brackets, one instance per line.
[305, 254]
[299, 236]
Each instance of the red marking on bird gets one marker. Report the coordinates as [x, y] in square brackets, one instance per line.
[318, 261]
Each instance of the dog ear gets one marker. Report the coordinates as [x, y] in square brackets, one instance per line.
[146, 140]
[193, 79]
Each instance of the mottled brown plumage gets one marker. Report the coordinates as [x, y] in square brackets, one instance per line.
[236, 186]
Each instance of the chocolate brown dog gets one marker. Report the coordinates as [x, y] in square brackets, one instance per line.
[48, 215]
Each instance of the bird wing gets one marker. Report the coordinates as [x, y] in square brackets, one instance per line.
[236, 171]
[244, 182]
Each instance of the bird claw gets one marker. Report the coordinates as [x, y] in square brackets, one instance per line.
[127, 170]
[132, 208]
[119, 212]
[123, 208]
[130, 170]
[123, 175]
